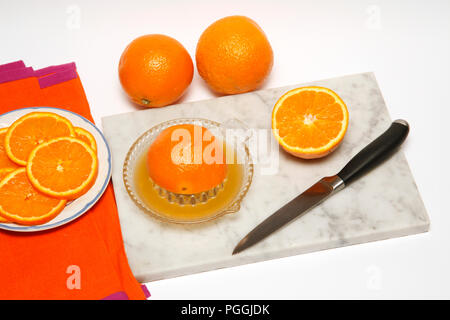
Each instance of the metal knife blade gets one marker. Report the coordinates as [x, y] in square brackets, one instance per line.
[373, 154]
[293, 209]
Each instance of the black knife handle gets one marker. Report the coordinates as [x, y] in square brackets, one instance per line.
[377, 151]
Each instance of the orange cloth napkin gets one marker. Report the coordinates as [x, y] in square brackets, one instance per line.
[88, 251]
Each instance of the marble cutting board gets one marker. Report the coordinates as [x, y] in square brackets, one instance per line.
[382, 204]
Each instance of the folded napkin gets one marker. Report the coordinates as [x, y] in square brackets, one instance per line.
[84, 259]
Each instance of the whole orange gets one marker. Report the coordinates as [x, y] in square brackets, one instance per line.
[233, 55]
[186, 159]
[155, 70]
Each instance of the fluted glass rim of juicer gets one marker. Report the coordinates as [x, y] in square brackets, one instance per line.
[142, 144]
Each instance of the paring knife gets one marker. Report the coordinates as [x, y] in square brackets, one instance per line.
[373, 154]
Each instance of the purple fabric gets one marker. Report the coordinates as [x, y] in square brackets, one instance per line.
[54, 69]
[48, 76]
[13, 75]
[146, 291]
[12, 66]
[57, 77]
[121, 295]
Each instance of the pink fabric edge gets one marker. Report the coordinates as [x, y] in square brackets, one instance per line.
[57, 77]
[54, 69]
[16, 74]
[12, 66]
[16, 71]
[146, 291]
[121, 295]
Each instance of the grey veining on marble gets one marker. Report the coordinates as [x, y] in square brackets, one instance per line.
[382, 204]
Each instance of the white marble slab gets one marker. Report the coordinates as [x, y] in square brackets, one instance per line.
[383, 204]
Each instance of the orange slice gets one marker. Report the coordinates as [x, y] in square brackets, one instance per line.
[33, 129]
[20, 202]
[309, 122]
[86, 136]
[5, 162]
[3, 173]
[3, 220]
[64, 168]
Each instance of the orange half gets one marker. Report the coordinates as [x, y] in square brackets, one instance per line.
[187, 159]
[63, 168]
[309, 122]
[21, 203]
[33, 129]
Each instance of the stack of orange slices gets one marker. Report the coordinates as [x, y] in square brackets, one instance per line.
[44, 162]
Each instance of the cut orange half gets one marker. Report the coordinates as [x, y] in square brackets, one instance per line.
[33, 129]
[309, 122]
[5, 162]
[86, 136]
[185, 166]
[63, 168]
[21, 203]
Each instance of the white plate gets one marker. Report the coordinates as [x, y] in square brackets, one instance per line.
[78, 207]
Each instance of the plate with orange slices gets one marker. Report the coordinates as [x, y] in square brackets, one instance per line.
[54, 166]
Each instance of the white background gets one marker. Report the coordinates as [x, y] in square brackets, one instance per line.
[406, 44]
